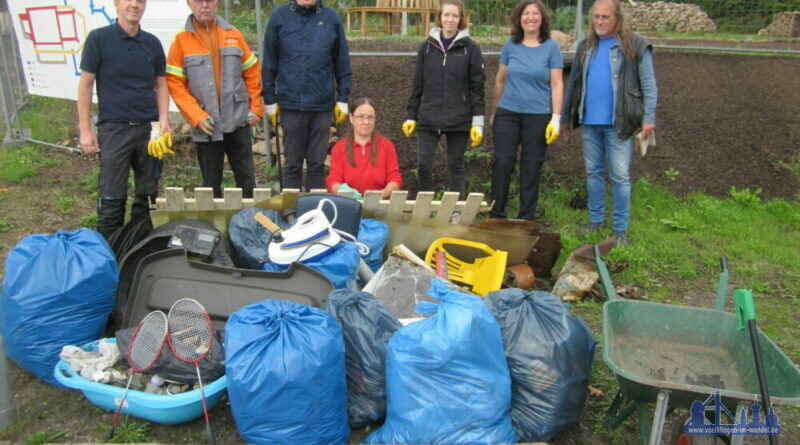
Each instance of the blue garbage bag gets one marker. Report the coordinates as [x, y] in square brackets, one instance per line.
[367, 327]
[340, 265]
[58, 290]
[447, 379]
[249, 238]
[286, 375]
[373, 234]
[550, 354]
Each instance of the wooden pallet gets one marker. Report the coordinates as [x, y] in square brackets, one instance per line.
[424, 206]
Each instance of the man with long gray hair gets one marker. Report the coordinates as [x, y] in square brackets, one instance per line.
[612, 93]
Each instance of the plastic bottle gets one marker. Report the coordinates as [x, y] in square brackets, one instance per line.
[154, 387]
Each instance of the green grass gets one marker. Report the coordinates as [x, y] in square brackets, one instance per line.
[66, 205]
[680, 240]
[19, 163]
[88, 221]
[40, 437]
[130, 431]
[52, 120]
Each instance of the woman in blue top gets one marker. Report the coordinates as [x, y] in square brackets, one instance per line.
[528, 93]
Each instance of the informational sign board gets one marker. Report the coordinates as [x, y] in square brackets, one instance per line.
[51, 34]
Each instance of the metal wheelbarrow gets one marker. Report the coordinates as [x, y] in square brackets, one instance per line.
[676, 355]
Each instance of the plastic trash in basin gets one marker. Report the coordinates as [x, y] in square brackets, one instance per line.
[159, 408]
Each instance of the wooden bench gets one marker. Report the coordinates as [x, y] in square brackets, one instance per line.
[387, 13]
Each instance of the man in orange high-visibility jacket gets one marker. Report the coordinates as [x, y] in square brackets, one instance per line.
[215, 80]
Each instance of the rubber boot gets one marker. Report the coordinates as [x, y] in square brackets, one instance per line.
[110, 215]
[141, 207]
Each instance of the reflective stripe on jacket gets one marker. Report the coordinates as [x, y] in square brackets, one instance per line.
[190, 77]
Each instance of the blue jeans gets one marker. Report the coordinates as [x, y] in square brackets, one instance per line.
[600, 147]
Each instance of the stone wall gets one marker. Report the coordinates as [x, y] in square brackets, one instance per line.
[666, 16]
[783, 24]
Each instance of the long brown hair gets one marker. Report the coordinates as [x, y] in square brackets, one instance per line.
[373, 149]
[517, 34]
[620, 30]
[463, 22]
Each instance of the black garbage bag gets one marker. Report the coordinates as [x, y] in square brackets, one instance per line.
[250, 239]
[367, 326]
[127, 236]
[549, 355]
[174, 369]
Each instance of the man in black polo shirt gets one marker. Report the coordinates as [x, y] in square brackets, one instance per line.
[129, 66]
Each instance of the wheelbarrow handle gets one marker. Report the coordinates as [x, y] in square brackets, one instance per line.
[722, 284]
[605, 277]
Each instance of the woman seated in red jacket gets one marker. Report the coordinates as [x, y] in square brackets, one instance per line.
[364, 160]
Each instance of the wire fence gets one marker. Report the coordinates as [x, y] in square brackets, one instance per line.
[55, 120]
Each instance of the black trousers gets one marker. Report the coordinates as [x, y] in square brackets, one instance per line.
[510, 129]
[305, 137]
[238, 146]
[426, 156]
[123, 146]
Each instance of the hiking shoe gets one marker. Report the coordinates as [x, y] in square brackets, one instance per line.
[621, 239]
[589, 228]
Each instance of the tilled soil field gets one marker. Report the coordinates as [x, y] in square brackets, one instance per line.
[722, 121]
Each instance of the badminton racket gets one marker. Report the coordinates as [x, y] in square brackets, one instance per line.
[190, 337]
[143, 351]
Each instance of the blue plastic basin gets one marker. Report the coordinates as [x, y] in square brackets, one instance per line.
[165, 409]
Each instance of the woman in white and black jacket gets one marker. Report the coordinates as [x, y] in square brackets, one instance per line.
[447, 97]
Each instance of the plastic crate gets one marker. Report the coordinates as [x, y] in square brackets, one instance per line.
[159, 408]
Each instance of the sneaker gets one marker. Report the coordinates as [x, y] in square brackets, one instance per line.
[621, 238]
[589, 228]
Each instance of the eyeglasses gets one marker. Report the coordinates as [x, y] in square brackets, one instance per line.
[364, 118]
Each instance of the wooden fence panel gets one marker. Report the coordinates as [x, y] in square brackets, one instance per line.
[423, 206]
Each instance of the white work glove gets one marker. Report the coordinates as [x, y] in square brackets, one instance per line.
[340, 111]
[553, 129]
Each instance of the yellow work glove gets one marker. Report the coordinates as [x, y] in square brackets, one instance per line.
[475, 136]
[408, 127]
[553, 130]
[273, 110]
[340, 111]
[160, 143]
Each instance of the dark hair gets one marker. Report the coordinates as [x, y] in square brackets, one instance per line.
[620, 30]
[463, 22]
[373, 149]
[517, 34]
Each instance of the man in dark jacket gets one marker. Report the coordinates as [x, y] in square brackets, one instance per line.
[612, 94]
[306, 74]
